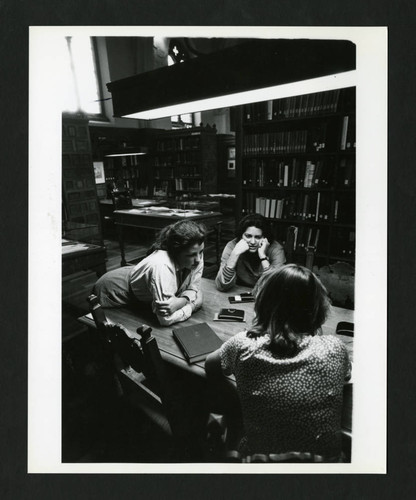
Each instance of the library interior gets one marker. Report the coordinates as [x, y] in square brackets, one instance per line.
[208, 250]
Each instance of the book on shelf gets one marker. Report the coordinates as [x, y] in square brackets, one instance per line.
[267, 207]
[350, 139]
[344, 133]
[196, 341]
[318, 201]
[273, 207]
[309, 174]
[286, 175]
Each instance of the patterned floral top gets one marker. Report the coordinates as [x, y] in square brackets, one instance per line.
[289, 404]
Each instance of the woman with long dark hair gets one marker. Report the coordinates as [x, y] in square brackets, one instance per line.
[251, 253]
[168, 278]
[289, 376]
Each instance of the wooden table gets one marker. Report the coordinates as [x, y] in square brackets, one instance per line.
[213, 301]
[147, 218]
[78, 256]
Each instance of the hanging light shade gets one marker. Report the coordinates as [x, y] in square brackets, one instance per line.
[247, 72]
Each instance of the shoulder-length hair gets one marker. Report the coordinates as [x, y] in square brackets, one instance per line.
[179, 236]
[255, 220]
[291, 301]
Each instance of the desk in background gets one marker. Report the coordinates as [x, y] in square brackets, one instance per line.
[213, 302]
[79, 256]
[158, 218]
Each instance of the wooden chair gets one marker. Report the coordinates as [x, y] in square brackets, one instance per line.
[140, 376]
[121, 200]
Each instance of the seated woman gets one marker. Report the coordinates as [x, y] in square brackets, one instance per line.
[249, 254]
[169, 278]
[289, 376]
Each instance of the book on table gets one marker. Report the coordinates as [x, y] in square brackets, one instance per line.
[196, 341]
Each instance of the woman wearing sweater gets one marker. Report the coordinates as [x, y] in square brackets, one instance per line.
[252, 252]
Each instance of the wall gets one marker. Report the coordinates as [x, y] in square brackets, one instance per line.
[219, 117]
[121, 57]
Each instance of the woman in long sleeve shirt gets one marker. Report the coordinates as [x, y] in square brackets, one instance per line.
[169, 278]
[250, 254]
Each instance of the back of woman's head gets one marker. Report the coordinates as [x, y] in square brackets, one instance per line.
[179, 236]
[291, 301]
[254, 220]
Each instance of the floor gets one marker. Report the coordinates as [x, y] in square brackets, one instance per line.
[92, 430]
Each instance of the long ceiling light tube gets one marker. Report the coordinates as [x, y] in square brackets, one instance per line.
[252, 71]
[332, 82]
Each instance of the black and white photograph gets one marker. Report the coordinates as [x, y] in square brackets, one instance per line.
[214, 229]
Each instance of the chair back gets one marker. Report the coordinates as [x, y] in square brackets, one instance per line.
[139, 366]
[121, 200]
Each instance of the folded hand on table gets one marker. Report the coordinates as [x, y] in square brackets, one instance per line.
[169, 306]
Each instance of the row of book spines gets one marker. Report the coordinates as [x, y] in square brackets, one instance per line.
[288, 141]
[123, 175]
[316, 207]
[302, 207]
[179, 143]
[293, 107]
[187, 185]
[125, 161]
[162, 188]
[304, 238]
[305, 174]
[181, 171]
[182, 157]
[313, 139]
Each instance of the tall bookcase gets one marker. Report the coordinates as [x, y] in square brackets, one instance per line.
[296, 159]
[80, 211]
[123, 168]
[184, 165]
[129, 171]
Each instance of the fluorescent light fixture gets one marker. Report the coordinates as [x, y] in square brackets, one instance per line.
[252, 71]
[332, 82]
[125, 154]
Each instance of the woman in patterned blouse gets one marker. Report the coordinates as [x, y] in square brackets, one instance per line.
[289, 376]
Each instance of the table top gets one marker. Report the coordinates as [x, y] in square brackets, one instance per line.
[168, 213]
[137, 202]
[71, 248]
[213, 301]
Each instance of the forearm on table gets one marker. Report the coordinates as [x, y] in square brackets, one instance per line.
[180, 315]
[225, 278]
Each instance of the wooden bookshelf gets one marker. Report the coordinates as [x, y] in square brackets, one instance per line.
[184, 163]
[296, 166]
[80, 210]
[126, 170]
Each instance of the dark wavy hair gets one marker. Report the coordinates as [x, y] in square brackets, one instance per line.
[255, 220]
[178, 236]
[291, 301]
